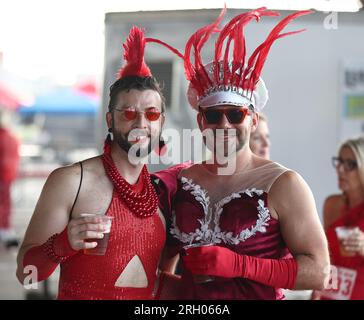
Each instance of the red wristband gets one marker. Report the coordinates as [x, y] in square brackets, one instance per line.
[58, 248]
[47, 256]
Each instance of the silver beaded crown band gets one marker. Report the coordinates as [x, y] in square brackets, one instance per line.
[228, 94]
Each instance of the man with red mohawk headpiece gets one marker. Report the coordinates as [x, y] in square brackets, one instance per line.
[245, 226]
[78, 201]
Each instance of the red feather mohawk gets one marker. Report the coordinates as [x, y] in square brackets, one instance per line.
[225, 81]
[134, 55]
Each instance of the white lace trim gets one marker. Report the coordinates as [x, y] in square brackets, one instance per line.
[204, 234]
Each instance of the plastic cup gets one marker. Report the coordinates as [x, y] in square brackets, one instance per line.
[101, 247]
[199, 278]
[342, 234]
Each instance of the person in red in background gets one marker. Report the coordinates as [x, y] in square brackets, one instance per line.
[9, 162]
[234, 226]
[346, 210]
[260, 139]
[112, 185]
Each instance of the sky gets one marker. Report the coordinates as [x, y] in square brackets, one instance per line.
[61, 39]
[57, 39]
[64, 39]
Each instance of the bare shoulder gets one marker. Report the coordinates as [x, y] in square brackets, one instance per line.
[290, 195]
[68, 177]
[64, 175]
[334, 201]
[332, 209]
[94, 175]
[96, 190]
[94, 167]
[59, 189]
[287, 180]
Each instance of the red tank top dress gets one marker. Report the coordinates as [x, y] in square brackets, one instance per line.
[134, 243]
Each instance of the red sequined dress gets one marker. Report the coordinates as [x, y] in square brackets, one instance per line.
[232, 213]
[128, 269]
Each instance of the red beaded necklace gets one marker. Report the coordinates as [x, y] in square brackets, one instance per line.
[143, 204]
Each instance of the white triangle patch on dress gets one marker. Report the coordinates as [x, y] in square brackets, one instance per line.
[133, 276]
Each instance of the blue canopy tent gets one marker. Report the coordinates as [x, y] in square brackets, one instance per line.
[61, 101]
[66, 117]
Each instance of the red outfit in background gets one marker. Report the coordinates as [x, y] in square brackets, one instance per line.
[9, 161]
[350, 217]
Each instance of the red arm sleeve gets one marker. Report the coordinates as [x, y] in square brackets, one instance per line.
[276, 273]
[47, 256]
[223, 262]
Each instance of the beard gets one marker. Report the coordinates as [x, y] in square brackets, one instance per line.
[123, 141]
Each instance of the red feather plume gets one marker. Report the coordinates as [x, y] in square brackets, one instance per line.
[259, 56]
[233, 31]
[237, 75]
[134, 55]
[196, 73]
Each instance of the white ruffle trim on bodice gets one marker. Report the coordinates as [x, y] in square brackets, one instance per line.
[205, 234]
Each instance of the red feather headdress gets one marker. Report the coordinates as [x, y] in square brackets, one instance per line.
[225, 81]
[134, 55]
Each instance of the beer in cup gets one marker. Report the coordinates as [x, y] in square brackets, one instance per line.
[342, 234]
[101, 247]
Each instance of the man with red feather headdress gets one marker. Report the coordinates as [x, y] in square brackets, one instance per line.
[112, 185]
[245, 227]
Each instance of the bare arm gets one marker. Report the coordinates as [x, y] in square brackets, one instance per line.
[51, 216]
[332, 210]
[291, 198]
[51, 213]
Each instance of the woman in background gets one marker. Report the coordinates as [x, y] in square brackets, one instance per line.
[347, 210]
[259, 140]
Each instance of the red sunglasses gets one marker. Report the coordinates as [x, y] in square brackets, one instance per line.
[131, 114]
[234, 115]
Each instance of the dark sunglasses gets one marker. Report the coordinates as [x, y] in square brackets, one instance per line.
[234, 115]
[131, 114]
[349, 165]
